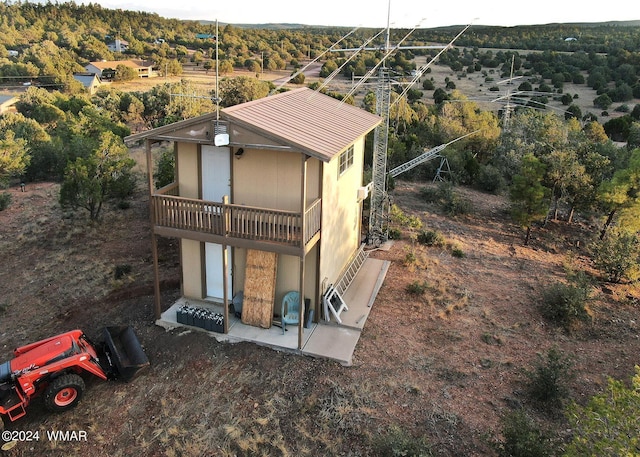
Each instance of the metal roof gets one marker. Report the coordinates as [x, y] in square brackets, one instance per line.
[302, 119]
[317, 124]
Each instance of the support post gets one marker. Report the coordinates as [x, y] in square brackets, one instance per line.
[225, 285]
[154, 241]
[303, 223]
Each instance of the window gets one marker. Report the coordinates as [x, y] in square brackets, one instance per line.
[345, 161]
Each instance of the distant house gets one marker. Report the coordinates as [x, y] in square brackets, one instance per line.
[118, 46]
[7, 103]
[13, 53]
[90, 81]
[104, 68]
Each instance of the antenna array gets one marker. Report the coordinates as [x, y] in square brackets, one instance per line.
[379, 200]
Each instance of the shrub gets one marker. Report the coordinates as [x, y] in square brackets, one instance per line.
[617, 256]
[565, 304]
[165, 171]
[490, 179]
[394, 234]
[417, 287]
[121, 270]
[430, 194]
[523, 438]
[5, 200]
[457, 252]
[447, 198]
[609, 423]
[457, 205]
[397, 217]
[397, 442]
[410, 257]
[547, 382]
[431, 238]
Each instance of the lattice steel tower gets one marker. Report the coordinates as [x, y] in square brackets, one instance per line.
[378, 211]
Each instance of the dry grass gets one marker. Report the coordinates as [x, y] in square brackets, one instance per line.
[439, 367]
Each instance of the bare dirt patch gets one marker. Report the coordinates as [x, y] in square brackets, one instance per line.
[444, 365]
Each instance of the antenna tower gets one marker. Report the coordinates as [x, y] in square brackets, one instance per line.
[379, 200]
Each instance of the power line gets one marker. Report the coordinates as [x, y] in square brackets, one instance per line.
[313, 61]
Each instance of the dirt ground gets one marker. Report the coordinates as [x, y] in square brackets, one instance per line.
[443, 366]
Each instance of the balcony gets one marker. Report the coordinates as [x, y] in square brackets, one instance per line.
[235, 225]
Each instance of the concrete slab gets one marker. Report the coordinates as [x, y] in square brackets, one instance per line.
[271, 337]
[335, 343]
[238, 332]
[362, 292]
[327, 339]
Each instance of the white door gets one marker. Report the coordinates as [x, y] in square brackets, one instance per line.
[216, 183]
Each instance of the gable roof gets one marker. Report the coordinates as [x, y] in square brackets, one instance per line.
[317, 124]
[7, 101]
[8, 98]
[302, 119]
[87, 79]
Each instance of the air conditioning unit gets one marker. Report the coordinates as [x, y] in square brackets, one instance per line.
[363, 192]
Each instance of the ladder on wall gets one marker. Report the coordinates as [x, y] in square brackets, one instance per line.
[356, 261]
[332, 300]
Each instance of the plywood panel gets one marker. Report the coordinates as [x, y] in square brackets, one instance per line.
[259, 288]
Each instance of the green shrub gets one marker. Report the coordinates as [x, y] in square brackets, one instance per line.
[617, 256]
[397, 217]
[5, 200]
[565, 304]
[523, 438]
[431, 238]
[417, 287]
[457, 252]
[445, 196]
[398, 221]
[121, 270]
[165, 170]
[430, 194]
[394, 234]
[547, 383]
[490, 179]
[609, 423]
[410, 256]
[456, 205]
[399, 443]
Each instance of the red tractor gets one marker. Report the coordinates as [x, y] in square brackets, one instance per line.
[55, 368]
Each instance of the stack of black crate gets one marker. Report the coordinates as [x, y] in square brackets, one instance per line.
[200, 317]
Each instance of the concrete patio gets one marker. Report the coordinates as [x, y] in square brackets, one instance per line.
[328, 340]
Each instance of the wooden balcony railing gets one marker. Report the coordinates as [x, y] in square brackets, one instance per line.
[237, 221]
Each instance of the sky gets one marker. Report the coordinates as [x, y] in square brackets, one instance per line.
[374, 13]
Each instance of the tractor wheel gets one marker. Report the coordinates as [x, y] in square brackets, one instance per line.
[64, 393]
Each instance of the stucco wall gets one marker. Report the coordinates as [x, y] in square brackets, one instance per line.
[187, 166]
[340, 215]
[272, 179]
[267, 179]
[192, 274]
[263, 178]
[191, 251]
